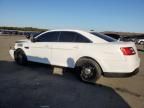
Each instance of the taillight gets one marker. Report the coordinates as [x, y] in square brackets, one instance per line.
[128, 51]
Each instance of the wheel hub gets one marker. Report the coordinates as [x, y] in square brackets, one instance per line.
[87, 71]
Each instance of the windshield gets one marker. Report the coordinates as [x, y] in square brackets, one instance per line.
[104, 37]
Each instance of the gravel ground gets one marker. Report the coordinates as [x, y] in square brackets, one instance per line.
[42, 86]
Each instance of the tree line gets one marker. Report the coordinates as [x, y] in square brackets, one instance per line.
[22, 28]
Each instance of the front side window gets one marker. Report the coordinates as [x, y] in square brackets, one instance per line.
[48, 37]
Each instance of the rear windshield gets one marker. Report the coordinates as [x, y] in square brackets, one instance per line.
[104, 37]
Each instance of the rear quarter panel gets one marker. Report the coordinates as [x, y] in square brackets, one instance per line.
[109, 56]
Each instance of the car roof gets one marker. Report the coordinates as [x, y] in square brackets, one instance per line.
[69, 30]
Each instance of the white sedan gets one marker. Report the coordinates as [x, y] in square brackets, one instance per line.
[91, 54]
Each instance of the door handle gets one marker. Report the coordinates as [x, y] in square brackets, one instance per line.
[75, 47]
[47, 46]
[26, 47]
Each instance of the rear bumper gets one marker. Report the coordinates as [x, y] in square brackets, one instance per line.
[117, 75]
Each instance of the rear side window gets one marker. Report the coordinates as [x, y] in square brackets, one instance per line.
[48, 37]
[67, 37]
[81, 39]
[104, 37]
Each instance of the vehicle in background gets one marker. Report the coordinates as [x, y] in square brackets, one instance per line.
[134, 39]
[140, 41]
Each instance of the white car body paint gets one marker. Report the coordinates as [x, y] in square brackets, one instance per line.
[66, 54]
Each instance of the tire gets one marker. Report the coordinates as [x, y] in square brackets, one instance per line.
[20, 57]
[88, 70]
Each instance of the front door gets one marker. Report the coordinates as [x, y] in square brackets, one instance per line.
[40, 51]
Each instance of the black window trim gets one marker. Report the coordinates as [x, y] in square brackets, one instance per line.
[58, 37]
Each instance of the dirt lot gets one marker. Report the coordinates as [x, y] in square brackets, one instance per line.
[38, 86]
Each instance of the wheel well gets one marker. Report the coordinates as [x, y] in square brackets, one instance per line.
[91, 59]
[18, 50]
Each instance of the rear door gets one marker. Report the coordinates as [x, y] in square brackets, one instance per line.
[65, 51]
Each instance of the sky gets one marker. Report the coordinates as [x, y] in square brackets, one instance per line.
[98, 15]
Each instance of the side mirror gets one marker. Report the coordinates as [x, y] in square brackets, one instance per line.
[32, 39]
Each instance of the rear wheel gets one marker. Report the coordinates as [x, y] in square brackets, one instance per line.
[88, 70]
[20, 57]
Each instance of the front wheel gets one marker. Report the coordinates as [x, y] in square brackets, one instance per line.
[88, 70]
[20, 57]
